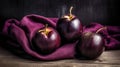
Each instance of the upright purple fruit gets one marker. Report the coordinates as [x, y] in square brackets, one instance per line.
[69, 27]
[46, 40]
[90, 45]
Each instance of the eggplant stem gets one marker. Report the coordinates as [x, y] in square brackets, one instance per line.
[46, 27]
[71, 10]
[103, 28]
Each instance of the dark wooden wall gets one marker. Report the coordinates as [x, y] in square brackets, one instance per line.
[106, 12]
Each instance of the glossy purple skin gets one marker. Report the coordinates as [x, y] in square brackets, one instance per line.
[70, 30]
[91, 45]
[47, 45]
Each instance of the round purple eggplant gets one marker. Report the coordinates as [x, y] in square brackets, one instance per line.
[69, 27]
[46, 40]
[91, 45]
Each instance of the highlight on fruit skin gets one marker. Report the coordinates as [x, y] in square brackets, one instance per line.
[46, 40]
[69, 27]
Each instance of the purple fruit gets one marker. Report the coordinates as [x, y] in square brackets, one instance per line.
[91, 45]
[46, 40]
[69, 27]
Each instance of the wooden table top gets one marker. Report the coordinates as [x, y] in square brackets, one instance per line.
[107, 59]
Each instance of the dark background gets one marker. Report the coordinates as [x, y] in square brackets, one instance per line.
[106, 12]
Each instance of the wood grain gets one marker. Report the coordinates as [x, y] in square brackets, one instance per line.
[107, 59]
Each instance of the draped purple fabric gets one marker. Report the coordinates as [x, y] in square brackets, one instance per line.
[23, 31]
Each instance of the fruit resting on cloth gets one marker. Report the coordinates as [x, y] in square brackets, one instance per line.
[46, 40]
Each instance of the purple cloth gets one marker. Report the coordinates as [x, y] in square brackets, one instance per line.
[23, 31]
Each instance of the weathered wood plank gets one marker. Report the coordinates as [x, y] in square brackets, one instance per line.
[107, 59]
